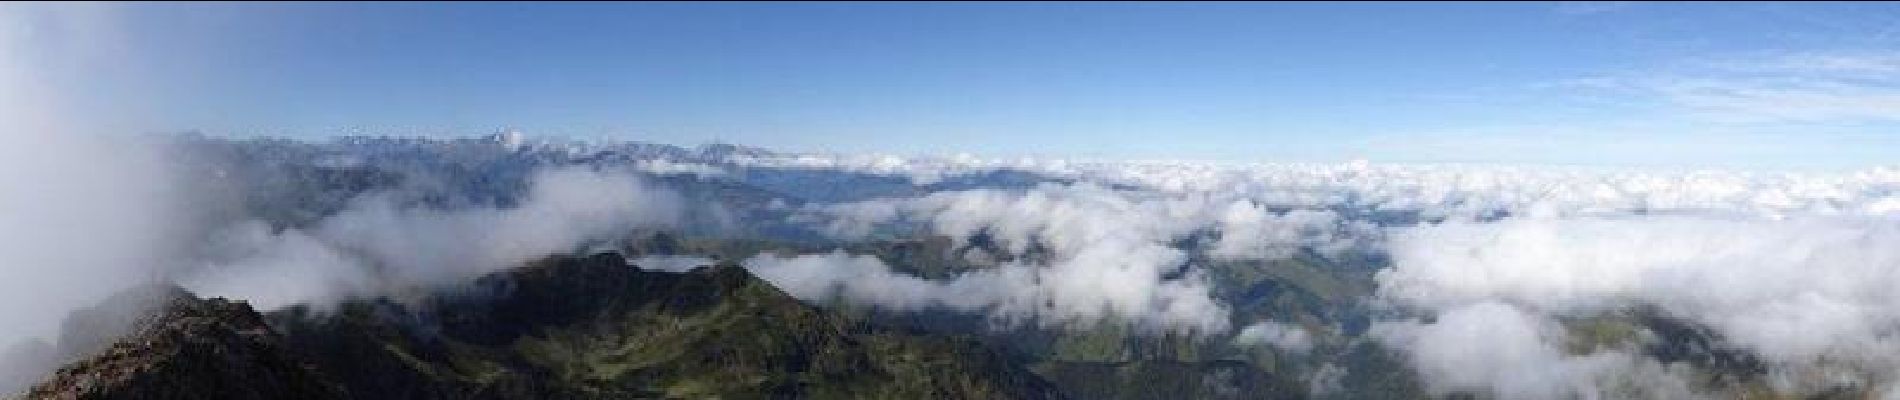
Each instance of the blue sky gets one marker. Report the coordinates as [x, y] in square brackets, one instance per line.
[1693, 84]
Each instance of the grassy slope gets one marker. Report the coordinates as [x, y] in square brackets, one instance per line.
[595, 328]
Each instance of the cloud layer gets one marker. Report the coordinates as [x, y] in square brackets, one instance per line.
[1811, 296]
[1080, 253]
[379, 246]
[1491, 266]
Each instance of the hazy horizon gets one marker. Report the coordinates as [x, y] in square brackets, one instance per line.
[1748, 85]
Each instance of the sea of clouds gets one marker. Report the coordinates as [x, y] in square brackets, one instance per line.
[1486, 262]
[1793, 268]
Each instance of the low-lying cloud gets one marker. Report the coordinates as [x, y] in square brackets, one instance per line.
[1487, 279]
[380, 246]
[1291, 338]
[1501, 350]
[1071, 254]
[1810, 296]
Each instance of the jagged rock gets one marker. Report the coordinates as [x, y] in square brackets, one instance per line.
[184, 348]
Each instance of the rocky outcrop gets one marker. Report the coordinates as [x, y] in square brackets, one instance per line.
[183, 347]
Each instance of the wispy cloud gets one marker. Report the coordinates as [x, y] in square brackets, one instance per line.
[1807, 87]
[1591, 7]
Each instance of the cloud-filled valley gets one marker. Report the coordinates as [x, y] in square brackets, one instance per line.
[1508, 281]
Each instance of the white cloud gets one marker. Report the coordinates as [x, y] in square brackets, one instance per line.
[380, 247]
[865, 279]
[1084, 252]
[1291, 338]
[1500, 350]
[85, 214]
[1580, 8]
[663, 167]
[1809, 295]
[1248, 231]
[671, 263]
[1805, 87]
[920, 170]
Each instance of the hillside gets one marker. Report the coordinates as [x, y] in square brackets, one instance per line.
[589, 327]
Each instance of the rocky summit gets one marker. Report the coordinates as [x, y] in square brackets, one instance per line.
[188, 348]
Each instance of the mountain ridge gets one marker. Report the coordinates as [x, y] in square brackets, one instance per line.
[565, 327]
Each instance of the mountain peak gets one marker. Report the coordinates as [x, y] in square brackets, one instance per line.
[184, 347]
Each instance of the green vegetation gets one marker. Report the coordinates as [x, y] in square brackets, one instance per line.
[594, 328]
[1168, 380]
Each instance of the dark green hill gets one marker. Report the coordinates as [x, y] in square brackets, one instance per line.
[595, 328]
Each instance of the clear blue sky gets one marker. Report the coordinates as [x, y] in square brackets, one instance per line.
[1612, 83]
